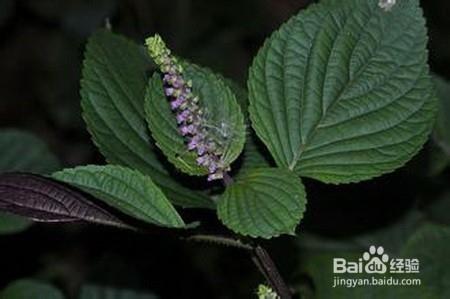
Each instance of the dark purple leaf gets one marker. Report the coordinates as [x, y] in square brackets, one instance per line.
[45, 200]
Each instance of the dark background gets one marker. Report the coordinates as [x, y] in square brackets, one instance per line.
[41, 50]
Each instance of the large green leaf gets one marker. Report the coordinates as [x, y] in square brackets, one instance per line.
[113, 90]
[96, 292]
[342, 92]
[222, 112]
[438, 210]
[254, 154]
[265, 202]
[126, 190]
[442, 128]
[30, 289]
[22, 151]
[430, 245]
[440, 152]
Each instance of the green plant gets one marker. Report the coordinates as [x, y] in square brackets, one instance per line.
[341, 93]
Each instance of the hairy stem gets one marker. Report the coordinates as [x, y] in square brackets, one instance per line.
[227, 179]
[267, 267]
[260, 257]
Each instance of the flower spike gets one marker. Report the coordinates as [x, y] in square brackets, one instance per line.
[186, 107]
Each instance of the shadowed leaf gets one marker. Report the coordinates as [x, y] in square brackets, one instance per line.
[30, 289]
[97, 292]
[45, 200]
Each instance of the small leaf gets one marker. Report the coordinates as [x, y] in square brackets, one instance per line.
[342, 92]
[45, 200]
[30, 289]
[113, 90]
[222, 113]
[22, 151]
[126, 190]
[96, 292]
[266, 202]
[12, 224]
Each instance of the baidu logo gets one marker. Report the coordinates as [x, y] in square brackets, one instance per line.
[375, 261]
[379, 268]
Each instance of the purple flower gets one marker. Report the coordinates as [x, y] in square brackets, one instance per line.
[184, 116]
[193, 142]
[175, 104]
[201, 149]
[215, 176]
[187, 109]
[203, 160]
[169, 91]
[212, 167]
[186, 130]
[178, 82]
[167, 78]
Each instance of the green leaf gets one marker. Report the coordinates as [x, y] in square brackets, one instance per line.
[318, 265]
[30, 289]
[440, 154]
[254, 156]
[12, 224]
[240, 92]
[96, 292]
[438, 160]
[222, 113]
[113, 90]
[437, 211]
[266, 202]
[22, 151]
[442, 127]
[126, 190]
[342, 92]
[429, 244]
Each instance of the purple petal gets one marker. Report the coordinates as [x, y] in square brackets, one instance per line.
[184, 130]
[169, 91]
[203, 161]
[212, 167]
[193, 143]
[181, 118]
[192, 129]
[201, 149]
[215, 176]
[176, 104]
[167, 78]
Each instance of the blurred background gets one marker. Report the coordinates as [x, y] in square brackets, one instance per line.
[41, 52]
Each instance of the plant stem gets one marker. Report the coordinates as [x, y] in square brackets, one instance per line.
[267, 267]
[227, 179]
[260, 257]
[221, 240]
